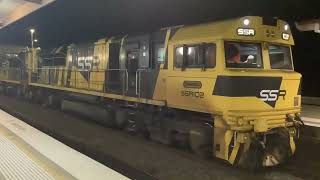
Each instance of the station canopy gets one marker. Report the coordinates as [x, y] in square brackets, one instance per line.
[309, 25]
[13, 10]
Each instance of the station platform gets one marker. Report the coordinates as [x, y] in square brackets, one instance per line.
[311, 111]
[28, 154]
[311, 115]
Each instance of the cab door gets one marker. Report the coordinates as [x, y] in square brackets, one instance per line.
[192, 74]
[132, 65]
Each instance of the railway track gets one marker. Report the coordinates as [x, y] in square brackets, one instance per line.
[140, 159]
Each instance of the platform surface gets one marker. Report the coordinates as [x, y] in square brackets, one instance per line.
[311, 115]
[27, 154]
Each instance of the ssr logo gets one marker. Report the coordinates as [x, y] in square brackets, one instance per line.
[192, 94]
[85, 63]
[246, 32]
[272, 95]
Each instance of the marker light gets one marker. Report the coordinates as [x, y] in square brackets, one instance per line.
[285, 36]
[246, 22]
[286, 27]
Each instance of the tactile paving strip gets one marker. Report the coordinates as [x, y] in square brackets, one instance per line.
[16, 165]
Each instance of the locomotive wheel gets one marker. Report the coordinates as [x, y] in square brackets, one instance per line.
[121, 117]
[201, 141]
[39, 96]
[277, 149]
[3, 89]
[11, 91]
[110, 118]
[53, 101]
[19, 92]
[28, 95]
[141, 128]
[252, 159]
[178, 139]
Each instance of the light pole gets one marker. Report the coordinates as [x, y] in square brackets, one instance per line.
[32, 32]
[31, 62]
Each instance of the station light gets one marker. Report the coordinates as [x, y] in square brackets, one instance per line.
[246, 22]
[32, 31]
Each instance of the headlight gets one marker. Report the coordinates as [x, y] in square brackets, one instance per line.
[285, 36]
[246, 22]
[286, 27]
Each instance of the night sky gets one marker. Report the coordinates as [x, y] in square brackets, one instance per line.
[72, 21]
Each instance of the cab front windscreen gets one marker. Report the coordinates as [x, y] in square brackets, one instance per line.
[280, 57]
[243, 55]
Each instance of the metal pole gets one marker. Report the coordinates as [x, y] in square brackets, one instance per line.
[32, 40]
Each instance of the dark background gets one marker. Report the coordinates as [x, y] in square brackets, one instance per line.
[73, 21]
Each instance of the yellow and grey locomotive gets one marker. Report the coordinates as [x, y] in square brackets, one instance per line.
[227, 87]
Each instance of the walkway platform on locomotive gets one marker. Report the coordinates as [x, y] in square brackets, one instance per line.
[26, 153]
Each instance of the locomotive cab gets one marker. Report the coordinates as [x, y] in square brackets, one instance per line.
[241, 72]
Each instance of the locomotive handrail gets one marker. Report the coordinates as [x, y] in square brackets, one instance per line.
[138, 81]
[127, 80]
[124, 78]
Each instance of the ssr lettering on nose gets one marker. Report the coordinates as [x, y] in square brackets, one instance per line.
[272, 95]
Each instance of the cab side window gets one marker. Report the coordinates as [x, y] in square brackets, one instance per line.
[195, 56]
